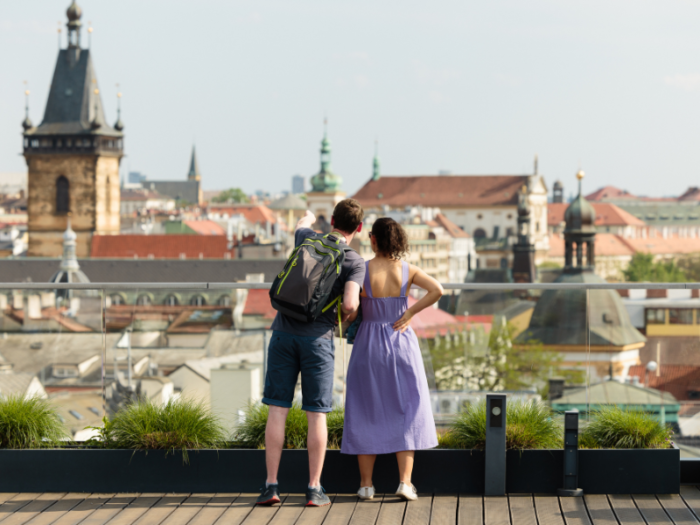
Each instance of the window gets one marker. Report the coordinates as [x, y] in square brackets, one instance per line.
[76, 414]
[680, 316]
[224, 300]
[94, 411]
[108, 196]
[116, 299]
[198, 300]
[656, 316]
[143, 300]
[171, 300]
[62, 195]
[479, 233]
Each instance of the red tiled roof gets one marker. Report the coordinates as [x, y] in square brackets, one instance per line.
[161, 246]
[205, 227]
[606, 214]
[676, 379]
[258, 303]
[450, 227]
[660, 246]
[691, 194]
[256, 213]
[609, 192]
[432, 321]
[442, 190]
[606, 244]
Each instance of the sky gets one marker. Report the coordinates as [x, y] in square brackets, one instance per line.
[609, 86]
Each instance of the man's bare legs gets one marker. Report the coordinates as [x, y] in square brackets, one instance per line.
[316, 444]
[366, 462]
[274, 441]
[405, 460]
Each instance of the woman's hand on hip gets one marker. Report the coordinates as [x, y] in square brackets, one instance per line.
[404, 323]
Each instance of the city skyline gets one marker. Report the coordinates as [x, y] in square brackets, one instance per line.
[472, 90]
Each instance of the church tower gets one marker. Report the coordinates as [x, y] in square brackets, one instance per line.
[73, 156]
[325, 189]
[524, 270]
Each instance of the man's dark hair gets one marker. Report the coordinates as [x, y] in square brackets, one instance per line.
[347, 215]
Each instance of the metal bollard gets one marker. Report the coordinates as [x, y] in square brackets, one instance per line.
[495, 471]
[570, 455]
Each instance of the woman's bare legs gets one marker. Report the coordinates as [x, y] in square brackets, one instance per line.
[405, 460]
[366, 462]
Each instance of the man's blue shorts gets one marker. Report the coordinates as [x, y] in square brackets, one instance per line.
[290, 354]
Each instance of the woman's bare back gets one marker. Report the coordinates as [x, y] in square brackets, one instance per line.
[385, 276]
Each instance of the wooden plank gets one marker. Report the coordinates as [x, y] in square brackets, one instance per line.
[496, 511]
[522, 509]
[675, 507]
[189, 508]
[289, 512]
[163, 508]
[109, 509]
[16, 502]
[548, 511]
[651, 509]
[54, 512]
[392, 510]
[574, 511]
[341, 510]
[84, 509]
[691, 497]
[239, 509]
[213, 510]
[418, 512]
[33, 508]
[263, 514]
[625, 510]
[444, 509]
[315, 515]
[7, 496]
[599, 509]
[367, 511]
[471, 510]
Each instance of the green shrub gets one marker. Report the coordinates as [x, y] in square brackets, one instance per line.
[251, 433]
[29, 422]
[176, 425]
[529, 425]
[614, 427]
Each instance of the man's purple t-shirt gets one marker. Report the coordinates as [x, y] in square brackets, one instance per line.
[353, 270]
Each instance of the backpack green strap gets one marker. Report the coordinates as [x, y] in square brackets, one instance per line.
[339, 301]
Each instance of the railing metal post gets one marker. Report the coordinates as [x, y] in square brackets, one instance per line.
[570, 455]
[495, 468]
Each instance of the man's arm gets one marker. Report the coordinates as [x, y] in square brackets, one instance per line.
[306, 221]
[351, 299]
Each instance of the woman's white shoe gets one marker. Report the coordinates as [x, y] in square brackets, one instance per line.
[366, 493]
[407, 492]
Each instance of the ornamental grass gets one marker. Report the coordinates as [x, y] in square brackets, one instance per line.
[177, 425]
[529, 425]
[29, 422]
[251, 431]
[615, 427]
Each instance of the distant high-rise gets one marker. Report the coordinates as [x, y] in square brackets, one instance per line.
[298, 185]
[558, 192]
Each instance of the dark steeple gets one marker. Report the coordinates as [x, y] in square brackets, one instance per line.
[27, 122]
[579, 235]
[194, 174]
[524, 251]
[119, 125]
[74, 109]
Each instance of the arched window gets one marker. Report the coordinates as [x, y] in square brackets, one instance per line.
[143, 300]
[171, 300]
[224, 300]
[116, 299]
[198, 300]
[62, 195]
[108, 196]
[479, 233]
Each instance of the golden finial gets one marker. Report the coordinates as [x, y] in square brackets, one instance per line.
[97, 91]
[580, 175]
[89, 27]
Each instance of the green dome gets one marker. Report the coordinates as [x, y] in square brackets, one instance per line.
[580, 215]
[325, 180]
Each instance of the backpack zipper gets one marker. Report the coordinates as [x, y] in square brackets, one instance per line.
[294, 263]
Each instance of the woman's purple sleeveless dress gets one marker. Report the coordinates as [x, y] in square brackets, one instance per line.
[387, 408]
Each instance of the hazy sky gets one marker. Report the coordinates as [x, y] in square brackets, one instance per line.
[470, 87]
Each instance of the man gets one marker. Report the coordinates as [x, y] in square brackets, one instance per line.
[296, 347]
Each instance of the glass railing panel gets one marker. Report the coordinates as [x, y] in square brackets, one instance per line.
[52, 346]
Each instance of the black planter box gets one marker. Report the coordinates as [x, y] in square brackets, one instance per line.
[231, 470]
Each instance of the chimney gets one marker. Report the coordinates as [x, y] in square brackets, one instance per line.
[556, 389]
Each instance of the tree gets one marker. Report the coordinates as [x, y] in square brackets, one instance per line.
[231, 195]
[690, 265]
[642, 268]
[492, 362]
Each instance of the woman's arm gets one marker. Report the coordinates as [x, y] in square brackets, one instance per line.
[435, 291]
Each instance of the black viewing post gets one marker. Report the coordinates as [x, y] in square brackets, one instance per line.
[570, 455]
[495, 471]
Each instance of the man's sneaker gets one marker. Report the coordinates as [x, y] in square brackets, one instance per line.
[407, 492]
[316, 498]
[269, 495]
[366, 493]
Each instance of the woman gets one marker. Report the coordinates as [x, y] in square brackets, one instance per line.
[388, 405]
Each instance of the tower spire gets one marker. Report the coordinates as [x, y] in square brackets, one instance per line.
[74, 13]
[27, 123]
[536, 165]
[194, 173]
[375, 162]
[119, 125]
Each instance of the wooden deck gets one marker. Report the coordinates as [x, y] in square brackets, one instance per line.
[239, 509]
